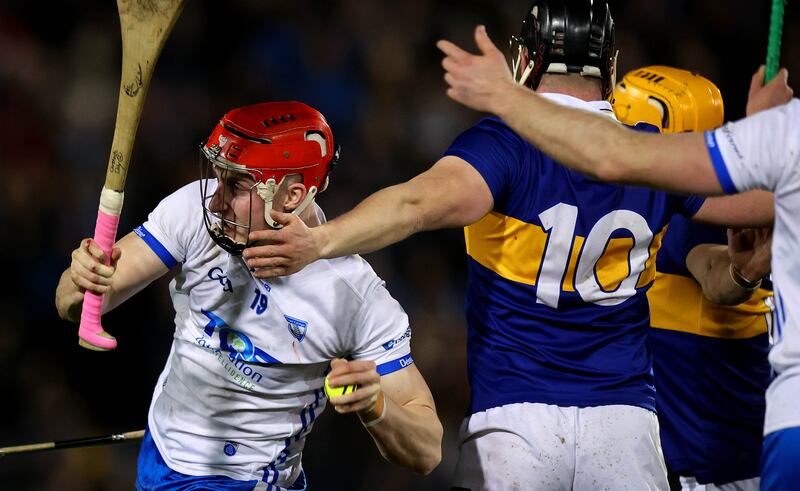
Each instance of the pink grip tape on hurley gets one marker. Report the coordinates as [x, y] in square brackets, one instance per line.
[91, 333]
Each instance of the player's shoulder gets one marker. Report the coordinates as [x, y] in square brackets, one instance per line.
[350, 275]
[491, 133]
[347, 275]
[486, 130]
[790, 114]
[494, 125]
[188, 195]
[794, 106]
[786, 116]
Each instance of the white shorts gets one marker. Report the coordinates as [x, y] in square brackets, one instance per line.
[544, 447]
[691, 484]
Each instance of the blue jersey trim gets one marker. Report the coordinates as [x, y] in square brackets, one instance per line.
[395, 365]
[779, 316]
[719, 164]
[156, 246]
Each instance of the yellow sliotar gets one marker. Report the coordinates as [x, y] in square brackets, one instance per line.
[338, 391]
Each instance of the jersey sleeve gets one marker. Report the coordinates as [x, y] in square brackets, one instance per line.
[757, 152]
[682, 236]
[494, 150]
[171, 227]
[382, 331]
[687, 206]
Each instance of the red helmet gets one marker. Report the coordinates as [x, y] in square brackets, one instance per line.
[268, 141]
[273, 139]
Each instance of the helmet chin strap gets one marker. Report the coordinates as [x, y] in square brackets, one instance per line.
[613, 77]
[267, 190]
[516, 65]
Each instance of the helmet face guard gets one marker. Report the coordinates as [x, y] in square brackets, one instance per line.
[252, 149]
[565, 36]
[672, 99]
[218, 183]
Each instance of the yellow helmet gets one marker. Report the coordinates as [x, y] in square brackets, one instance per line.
[672, 99]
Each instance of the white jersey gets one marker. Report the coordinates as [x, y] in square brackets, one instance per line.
[763, 152]
[244, 380]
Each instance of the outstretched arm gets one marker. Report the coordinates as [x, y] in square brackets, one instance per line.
[580, 140]
[754, 208]
[133, 266]
[397, 410]
[450, 194]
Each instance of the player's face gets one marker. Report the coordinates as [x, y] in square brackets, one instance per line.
[237, 202]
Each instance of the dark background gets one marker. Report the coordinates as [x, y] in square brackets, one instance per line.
[372, 68]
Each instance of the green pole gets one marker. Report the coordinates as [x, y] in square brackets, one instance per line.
[774, 43]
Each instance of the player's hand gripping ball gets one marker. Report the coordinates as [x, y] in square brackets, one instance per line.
[338, 391]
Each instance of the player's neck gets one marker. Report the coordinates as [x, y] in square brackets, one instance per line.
[584, 88]
[309, 216]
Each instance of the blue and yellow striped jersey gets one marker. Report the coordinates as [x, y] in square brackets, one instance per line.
[557, 274]
[710, 365]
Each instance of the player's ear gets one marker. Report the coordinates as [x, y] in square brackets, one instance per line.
[295, 194]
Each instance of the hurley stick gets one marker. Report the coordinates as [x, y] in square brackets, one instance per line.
[145, 26]
[78, 442]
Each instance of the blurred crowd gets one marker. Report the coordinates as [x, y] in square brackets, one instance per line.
[372, 68]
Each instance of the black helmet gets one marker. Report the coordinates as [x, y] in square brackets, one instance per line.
[566, 36]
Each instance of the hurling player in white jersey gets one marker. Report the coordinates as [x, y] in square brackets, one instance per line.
[243, 384]
[761, 151]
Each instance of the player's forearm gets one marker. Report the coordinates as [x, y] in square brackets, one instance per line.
[409, 436]
[755, 208]
[384, 218]
[718, 285]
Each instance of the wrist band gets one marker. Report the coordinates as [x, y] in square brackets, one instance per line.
[374, 421]
[741, 281]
